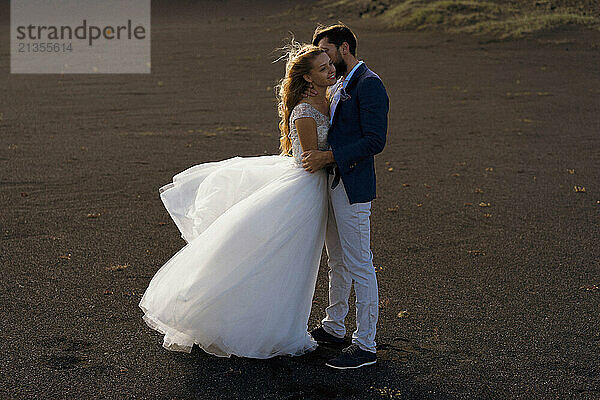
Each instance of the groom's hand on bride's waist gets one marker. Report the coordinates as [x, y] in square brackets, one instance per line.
[314, 160]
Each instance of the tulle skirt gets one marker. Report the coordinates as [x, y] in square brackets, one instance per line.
[244, 283]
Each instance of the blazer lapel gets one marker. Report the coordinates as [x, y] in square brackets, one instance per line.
[359, 71]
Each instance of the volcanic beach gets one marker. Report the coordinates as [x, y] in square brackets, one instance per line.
[485, 232]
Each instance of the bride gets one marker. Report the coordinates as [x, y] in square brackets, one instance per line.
[254, 228]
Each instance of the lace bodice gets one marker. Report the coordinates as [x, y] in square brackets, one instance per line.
[306, 110]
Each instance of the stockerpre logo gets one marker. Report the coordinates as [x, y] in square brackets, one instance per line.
[80, 36]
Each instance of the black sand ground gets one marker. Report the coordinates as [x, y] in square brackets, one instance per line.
[478, 302]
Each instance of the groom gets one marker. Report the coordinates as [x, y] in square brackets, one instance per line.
[358, 110]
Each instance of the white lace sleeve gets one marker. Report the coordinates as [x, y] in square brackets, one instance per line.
[304, 110]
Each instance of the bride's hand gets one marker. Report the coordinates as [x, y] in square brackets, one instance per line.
[314, 160]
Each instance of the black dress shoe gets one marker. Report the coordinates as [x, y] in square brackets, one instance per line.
[352, 357]
[321, 336]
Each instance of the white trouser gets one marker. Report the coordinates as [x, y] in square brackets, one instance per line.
[350, 260]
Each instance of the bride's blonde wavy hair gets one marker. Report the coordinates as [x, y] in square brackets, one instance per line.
[290, 89]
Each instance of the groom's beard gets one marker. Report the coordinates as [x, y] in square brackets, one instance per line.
[340, 67]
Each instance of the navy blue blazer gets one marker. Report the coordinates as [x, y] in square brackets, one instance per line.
[358, 132]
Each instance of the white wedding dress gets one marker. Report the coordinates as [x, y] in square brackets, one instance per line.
[255, 229]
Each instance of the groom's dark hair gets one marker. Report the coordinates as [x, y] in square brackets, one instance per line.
[336, 34]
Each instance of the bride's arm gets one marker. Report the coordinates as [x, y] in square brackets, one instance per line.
[307, 133]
